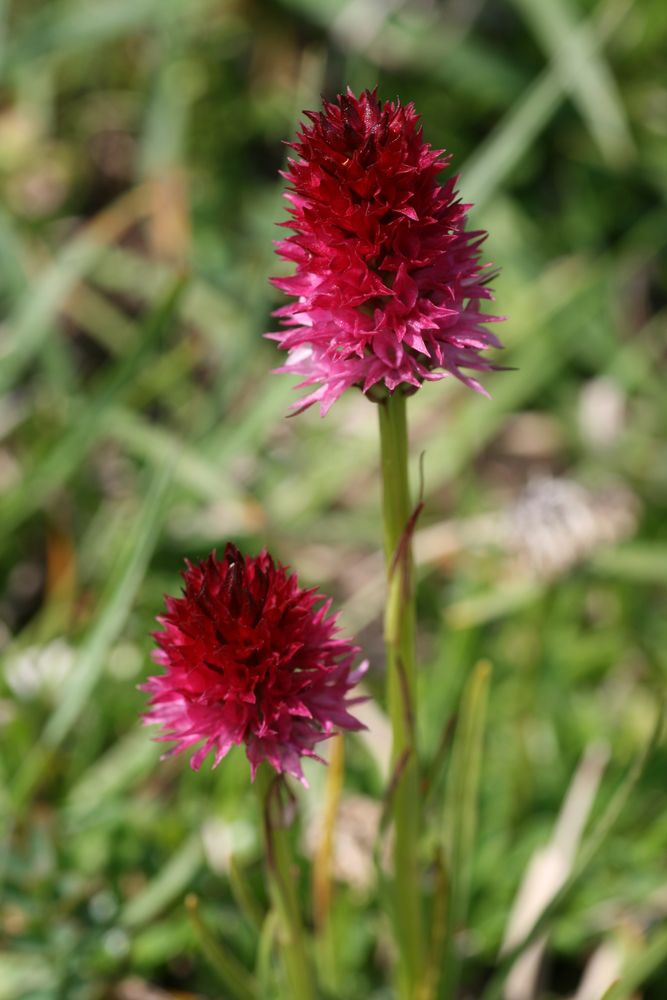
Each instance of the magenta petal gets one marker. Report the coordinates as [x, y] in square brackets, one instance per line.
[251, 658]
[388, 278]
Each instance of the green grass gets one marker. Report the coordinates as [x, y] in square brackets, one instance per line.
[140, 423]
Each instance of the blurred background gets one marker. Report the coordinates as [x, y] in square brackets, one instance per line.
[139, 423]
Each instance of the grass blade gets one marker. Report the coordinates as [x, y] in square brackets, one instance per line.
[58, 30]
[460, 819]
[583, 73]
[485, 171]
[32, 320]
[639, 968]
[589, 850]
[167, 886]
[122, 766]
[115, 607]
[236, 978]
[64, 458]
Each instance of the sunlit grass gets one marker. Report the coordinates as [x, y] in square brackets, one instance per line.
[139, 149]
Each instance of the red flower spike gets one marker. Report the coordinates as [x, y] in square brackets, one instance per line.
[388, 280]
[251, 658]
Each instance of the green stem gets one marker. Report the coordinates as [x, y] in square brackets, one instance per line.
[283, 889]
[399, 630]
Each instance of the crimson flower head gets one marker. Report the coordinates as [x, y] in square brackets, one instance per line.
[250, 657]
[388, 280]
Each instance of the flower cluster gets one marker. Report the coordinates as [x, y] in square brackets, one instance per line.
[251, 658]
[388, 280]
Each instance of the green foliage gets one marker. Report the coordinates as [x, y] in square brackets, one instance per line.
[139, 423]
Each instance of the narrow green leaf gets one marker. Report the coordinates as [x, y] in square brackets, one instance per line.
[496, 157]
[64, 458]
[589, 850]
[265, 965]
[56, 30]
[583, 73]
[639, 968]
[154, 444]
[640, 562]
[119, 768]
[115, 607]
[113, 615]
[243, 896]
[12, 258]
[32, 321]
[171, 882]
[236, 978]
[460, 818]
[508, 597]
[20, 975]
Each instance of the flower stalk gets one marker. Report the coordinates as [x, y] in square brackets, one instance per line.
[399, 632]
[282, 887]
